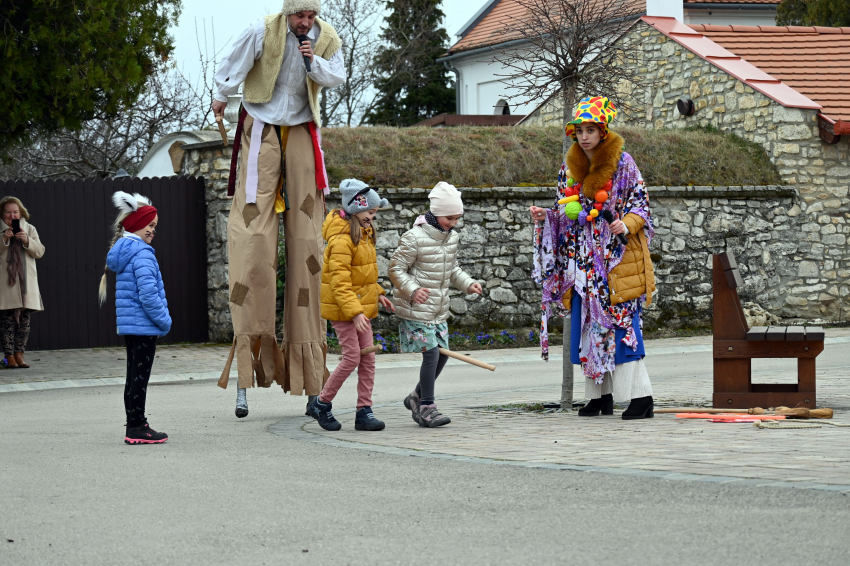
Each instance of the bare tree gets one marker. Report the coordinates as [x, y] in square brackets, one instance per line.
[110, 142]
[170, 102]
[572, 49]
[356, 22]
[203, 87]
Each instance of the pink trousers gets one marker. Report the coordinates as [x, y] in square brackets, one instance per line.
[352, 342]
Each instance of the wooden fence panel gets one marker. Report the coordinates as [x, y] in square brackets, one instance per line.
[74, 221]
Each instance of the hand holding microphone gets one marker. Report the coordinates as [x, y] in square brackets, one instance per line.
[307, 53]
[609, 218]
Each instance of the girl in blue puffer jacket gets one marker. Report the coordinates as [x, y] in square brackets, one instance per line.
[140, 305]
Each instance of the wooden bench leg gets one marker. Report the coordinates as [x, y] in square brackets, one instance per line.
[806, 385]
[731, 380]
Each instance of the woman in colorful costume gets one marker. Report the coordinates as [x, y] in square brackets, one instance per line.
[588, 273]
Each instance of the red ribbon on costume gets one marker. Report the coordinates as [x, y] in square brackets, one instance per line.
[318, 156]
[234, 156]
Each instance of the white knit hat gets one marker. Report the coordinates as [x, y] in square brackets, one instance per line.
[294, 6]
[445, 200]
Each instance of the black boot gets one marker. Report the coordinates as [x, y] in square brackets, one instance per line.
[605, 404]
[640, 408]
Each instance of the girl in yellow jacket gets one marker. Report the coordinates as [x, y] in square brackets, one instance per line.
[350, 296]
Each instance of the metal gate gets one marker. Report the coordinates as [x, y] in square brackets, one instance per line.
[74, 222]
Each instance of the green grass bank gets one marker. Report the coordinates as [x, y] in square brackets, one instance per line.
[471, 156]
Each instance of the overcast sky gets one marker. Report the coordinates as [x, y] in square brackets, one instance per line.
[227, 19]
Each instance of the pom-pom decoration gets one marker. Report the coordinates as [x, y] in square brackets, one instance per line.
[125, 202]
[573, 209]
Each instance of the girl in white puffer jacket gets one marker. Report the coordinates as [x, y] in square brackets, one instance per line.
[421, 269]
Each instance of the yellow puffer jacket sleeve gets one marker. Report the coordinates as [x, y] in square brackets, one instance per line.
[634, 276]
[339, 258]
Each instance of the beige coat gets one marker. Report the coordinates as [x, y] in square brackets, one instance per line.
[10, 297]
[426, 258]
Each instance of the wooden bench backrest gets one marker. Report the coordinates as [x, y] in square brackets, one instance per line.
[729, 320]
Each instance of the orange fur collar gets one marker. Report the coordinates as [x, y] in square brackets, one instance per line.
[593, 176]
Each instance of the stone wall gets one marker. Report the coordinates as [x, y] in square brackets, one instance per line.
[803, 274]
[761, 225]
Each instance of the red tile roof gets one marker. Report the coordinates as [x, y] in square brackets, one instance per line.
[731, 62]
[814, 61]
[496, 28]
[491, 29]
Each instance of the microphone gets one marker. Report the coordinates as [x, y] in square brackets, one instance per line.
[609, 218]
[301, 39]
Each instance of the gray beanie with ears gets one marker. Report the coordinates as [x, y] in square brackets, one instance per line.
[357, 196]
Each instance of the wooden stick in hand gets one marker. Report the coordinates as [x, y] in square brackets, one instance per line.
[370, 349]
[467, 359]
[221, 130]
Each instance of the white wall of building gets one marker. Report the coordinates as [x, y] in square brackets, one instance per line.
[666, 8]
[481, 91]
[728, 17]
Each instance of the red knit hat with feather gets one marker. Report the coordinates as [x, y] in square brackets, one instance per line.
[138, 208]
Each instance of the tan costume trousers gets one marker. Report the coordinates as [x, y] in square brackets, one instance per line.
[252, 233]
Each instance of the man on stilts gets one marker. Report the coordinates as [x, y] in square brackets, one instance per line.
[284, 61]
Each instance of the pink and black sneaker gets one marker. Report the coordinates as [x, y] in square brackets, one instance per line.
[144, 435]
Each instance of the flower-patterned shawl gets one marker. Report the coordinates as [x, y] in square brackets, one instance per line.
[568, 255]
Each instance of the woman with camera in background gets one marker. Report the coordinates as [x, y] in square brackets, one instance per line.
[19, 294]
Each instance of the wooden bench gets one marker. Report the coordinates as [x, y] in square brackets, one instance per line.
[735, 345]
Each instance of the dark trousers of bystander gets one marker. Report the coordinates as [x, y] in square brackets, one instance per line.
[16, 333]
[141, 351]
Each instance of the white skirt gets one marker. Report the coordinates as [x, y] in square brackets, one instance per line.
[627, 381]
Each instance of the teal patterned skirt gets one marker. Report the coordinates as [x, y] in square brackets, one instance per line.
[416, 336]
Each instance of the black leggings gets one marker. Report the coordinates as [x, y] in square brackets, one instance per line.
[15, 333]
[141, 351]
[432, 364]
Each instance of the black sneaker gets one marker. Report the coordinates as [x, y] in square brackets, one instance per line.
[365, 420]
[322, 413]
[144, 435]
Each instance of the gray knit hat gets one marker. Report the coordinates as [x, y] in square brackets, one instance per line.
[294, 6]
[357, 196]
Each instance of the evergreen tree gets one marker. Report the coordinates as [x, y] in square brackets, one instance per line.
[412, 86]
[67, 62]
[831, 13]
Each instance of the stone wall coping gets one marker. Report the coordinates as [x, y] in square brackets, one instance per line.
[206, 145]
[524, 193]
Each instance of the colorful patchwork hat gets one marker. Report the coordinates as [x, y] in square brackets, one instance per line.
[598, 110]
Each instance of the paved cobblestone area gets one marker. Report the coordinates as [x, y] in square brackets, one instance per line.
[205, 361]
[815, 458]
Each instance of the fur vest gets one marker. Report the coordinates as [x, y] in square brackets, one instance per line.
[259, 83]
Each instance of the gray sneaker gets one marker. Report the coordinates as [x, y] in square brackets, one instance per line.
[411, 402]
[430, 417]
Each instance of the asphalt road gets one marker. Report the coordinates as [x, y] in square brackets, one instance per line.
[227, 491]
